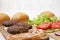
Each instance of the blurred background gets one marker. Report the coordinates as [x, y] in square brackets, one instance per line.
[31, 7]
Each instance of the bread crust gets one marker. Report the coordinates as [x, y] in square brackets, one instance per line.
[48, 13]
[3, 17]
[20, 16]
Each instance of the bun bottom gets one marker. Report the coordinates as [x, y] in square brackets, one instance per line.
[28, 38]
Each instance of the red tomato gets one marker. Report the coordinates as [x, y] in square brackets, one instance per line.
[55, 24]
[44, 26]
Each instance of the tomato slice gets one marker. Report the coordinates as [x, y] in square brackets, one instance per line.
[48, 25]
[44, 26]
[55, 24]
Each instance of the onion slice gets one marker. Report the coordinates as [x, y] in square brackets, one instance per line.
[57, 33]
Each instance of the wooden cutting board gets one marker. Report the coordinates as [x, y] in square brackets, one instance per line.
[54, 36]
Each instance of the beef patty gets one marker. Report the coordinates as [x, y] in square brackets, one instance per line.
[21, 27]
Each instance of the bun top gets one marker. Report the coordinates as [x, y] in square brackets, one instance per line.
[20, 16]
[3, 17]
[48, 13]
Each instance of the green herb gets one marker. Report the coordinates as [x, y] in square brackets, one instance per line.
[41, 19]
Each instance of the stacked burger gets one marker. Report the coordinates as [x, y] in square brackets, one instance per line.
[46, 21]
[18, 28]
